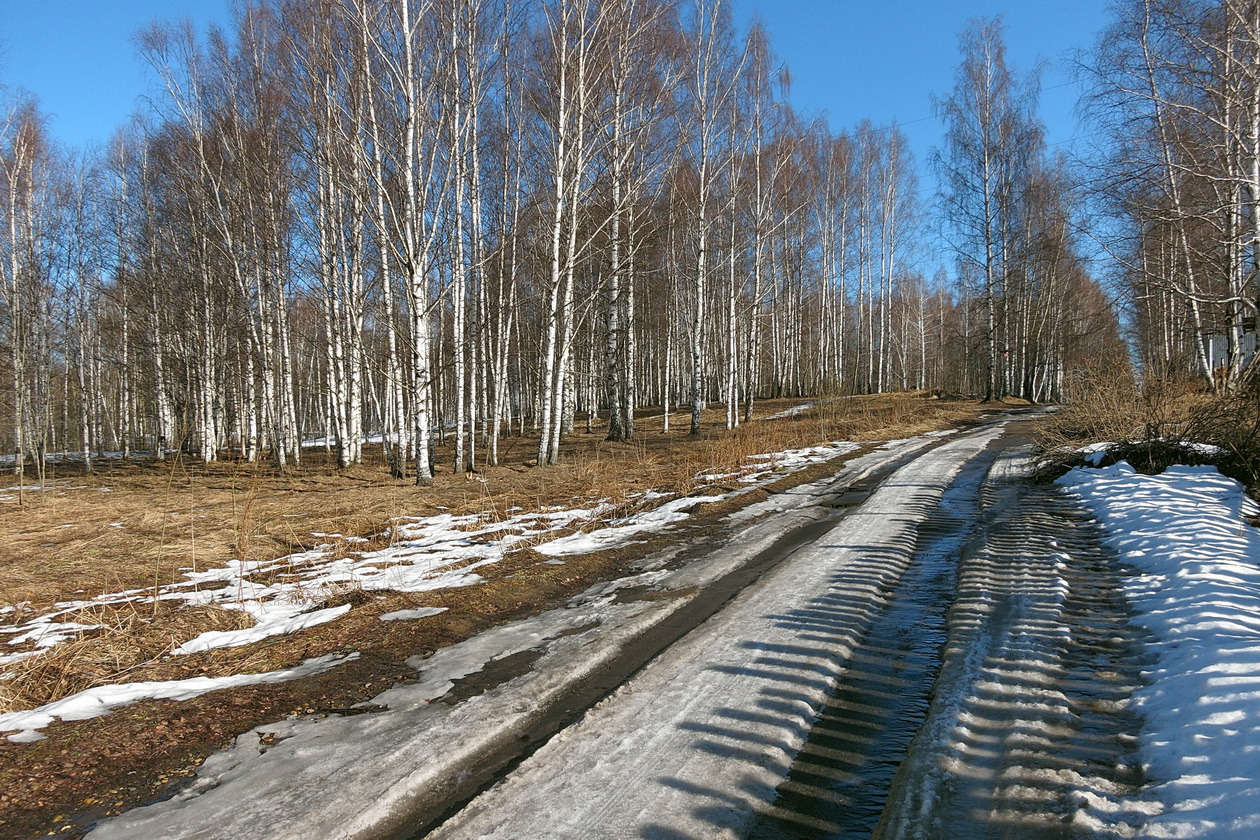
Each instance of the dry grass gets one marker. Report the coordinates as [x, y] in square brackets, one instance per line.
[1157, 422]
[888, 416]
[136, 525]
[128, 638]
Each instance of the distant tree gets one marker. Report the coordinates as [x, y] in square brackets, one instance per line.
[27, 243]
[991, 141]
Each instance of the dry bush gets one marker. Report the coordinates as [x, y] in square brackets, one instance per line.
[130, 636]
[1161, 421]
[1111, 406]
[1105, 406]
[1232, 423]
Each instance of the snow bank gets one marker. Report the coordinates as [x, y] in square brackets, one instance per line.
[1198, 590]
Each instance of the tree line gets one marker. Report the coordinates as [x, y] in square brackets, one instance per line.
[476, 218]
[1176, 86]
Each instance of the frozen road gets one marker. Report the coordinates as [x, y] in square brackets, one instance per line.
[921, 646]
[789, 713]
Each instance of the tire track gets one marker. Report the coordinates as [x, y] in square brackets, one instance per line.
[1029, 736]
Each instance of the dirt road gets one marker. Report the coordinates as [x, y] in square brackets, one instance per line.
[922, 645]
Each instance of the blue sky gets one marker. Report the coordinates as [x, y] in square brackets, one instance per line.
[76, 56]
[856, 59]
[848, 58]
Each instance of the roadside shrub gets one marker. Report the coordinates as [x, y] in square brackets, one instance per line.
[1163, 421]
[1232, 423]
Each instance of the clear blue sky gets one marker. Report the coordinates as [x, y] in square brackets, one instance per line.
[849, 58]
[855, 59]
[76, 56]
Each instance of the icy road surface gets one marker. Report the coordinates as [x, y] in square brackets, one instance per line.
[922, 646]
[696, 745]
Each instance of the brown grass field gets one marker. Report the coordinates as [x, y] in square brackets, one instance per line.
[136, 525]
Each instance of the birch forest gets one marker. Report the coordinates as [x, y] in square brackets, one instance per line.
[413, 221]
[1176, 87]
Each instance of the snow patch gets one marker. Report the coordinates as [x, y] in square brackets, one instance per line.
[94, 702]
[1198, 590]
[428, 553]
[276, 620]
[791, 412]
[410, 615]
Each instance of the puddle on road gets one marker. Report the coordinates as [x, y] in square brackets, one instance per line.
[1032, 738]
[840, 780]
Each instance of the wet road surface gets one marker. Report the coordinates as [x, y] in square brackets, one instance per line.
[951, 660]
[924, 645]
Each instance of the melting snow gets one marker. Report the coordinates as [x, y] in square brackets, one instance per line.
[344, 775]
[791, 412]
[273, 620]
[1198, 590]
[408, 615]
[94, 702]
[428, 553]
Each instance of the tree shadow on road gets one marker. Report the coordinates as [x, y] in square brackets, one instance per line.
[1032, 739]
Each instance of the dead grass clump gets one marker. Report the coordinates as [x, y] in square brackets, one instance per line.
[759, 438]
[1161, 421]
[129, 638]
[355, 596]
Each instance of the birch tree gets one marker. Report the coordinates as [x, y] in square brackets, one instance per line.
[1178, 91]
[642, 68]
[25, 246]
[709, 84]
[991, 139]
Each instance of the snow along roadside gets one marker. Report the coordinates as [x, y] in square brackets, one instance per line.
[440, 551]
[1198, 591]
[366, 776]
[102, 699]
[421, 562]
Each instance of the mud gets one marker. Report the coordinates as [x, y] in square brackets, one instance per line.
[1029, 734]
